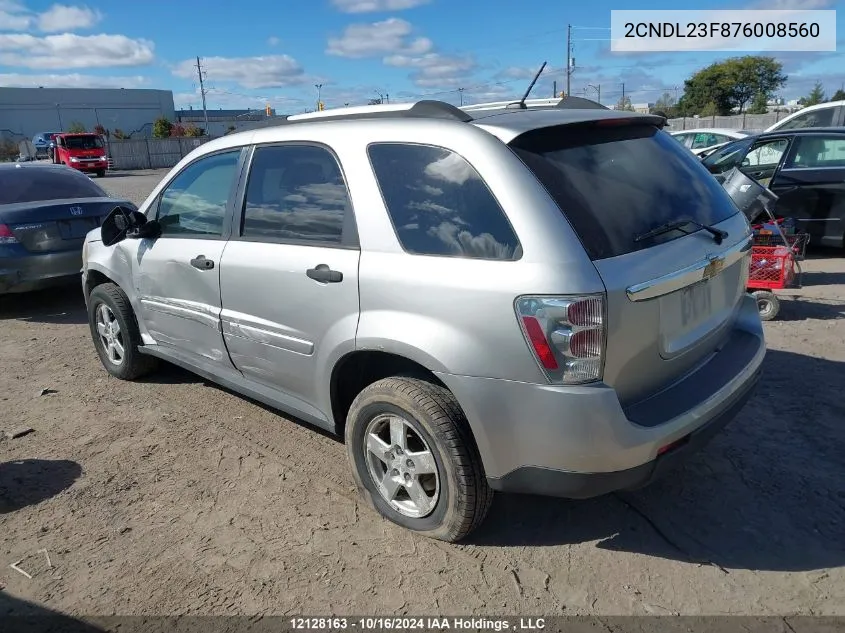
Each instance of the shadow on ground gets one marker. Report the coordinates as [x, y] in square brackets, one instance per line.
[30, 481]
[22, 616]
[819, 278]
[804, 308]
[61, 304]
[767, 494]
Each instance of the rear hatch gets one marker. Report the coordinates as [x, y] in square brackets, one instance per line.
[672, 296]
[49, 209]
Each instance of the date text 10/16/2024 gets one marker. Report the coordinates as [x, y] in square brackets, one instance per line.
[416, 623]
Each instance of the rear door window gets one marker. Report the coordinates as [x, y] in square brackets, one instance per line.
[818, 151]
[823, 117]
[439, 205]
[615, 183]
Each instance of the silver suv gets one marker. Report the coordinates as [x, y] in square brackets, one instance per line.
[536, 300]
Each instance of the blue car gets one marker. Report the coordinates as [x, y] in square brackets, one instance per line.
[45, 212]
[42, 142]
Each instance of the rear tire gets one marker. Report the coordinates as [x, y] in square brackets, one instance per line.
[434, 483]
[768, 304]
[115, 333]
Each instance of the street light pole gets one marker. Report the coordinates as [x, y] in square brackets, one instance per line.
[319, 88]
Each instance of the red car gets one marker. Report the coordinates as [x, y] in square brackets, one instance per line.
[85, 152]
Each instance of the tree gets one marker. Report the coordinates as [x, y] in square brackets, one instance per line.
[76, 128]
[177, 129]
[119, 134]
[99, 129]
[193, 131]
[665, 102]
[624, 103]
[376, 101]
[732, 83]
[759, 105]
[162, 127]
[839, 95]
[816, 96]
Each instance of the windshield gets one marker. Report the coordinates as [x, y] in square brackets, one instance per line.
[84, 142]
[30, 184]
[615, 183]
[727, 157]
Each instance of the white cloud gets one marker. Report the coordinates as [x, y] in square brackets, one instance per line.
[434, 70]
[62, 17]
[388, 37]
[15, 16]
[369, 6]
[273, 41]
[73, 51]
[73, 80]
[269, 71]
[794, 5]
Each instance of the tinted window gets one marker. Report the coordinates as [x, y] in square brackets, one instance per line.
[439, 205]
[726, 158]
[28, 184]
[295, 192]
[194, 203]
[817, 151]
[616, 183]
[84, 142]
[823, 117]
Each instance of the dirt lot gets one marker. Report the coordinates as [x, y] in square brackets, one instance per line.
[174, 496]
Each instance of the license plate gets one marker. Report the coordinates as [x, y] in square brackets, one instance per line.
[75, 229]
[696, 304]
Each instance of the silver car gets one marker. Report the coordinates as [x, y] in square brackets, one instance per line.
[534, 300]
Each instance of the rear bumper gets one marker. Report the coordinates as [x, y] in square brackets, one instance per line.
[579, 442]
[34, 272]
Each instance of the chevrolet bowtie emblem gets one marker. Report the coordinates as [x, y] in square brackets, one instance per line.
[715, 264]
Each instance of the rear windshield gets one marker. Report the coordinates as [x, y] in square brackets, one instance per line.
[29, 184]
[84, 142]
[616, 183]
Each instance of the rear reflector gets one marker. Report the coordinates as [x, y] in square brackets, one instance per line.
[672, 445]
[538, 341]
[6, 235]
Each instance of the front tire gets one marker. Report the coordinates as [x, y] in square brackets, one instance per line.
[115, 333]
[414, 459]
[101, 173]
[768, 304]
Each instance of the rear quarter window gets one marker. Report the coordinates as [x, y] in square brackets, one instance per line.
[616, 183]
[31, 184]
[439, 205]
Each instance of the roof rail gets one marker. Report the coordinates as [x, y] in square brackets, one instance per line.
[426, 109]
[501, 105]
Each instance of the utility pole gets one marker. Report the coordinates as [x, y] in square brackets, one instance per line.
[623, 95]
[554, 89]
[202, 93]
[568, 56]
[461, 91]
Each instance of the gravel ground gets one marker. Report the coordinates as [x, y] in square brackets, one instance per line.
[173, 496]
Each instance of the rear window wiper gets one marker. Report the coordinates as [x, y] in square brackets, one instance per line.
[677, 225]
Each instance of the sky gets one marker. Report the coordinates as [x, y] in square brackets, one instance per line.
[276, 52]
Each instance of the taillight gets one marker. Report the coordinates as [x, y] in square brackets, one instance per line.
[566, 335]
[6, 235]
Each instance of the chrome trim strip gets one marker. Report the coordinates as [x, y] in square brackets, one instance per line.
[699, 271]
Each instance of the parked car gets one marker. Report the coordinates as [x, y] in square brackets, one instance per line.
[830, 114]
[45, 212]
[85, 152]
[461, 299]
[705, 139]
[804, 167]
[42, 142]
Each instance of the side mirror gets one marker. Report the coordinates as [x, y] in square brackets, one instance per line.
[125, 223]
[746, 162]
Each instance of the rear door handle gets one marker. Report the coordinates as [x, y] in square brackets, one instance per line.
[202, 263]
[325, 274]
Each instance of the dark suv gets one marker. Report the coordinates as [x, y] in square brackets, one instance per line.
[806, 168]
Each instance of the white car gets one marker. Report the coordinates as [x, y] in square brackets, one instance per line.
[830, 114]
[704, 140]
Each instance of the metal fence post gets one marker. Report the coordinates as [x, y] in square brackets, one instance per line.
[149, 156]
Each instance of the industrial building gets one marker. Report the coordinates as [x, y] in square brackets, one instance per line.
[25, 112]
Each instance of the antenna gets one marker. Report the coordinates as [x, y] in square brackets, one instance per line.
[521, 102]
